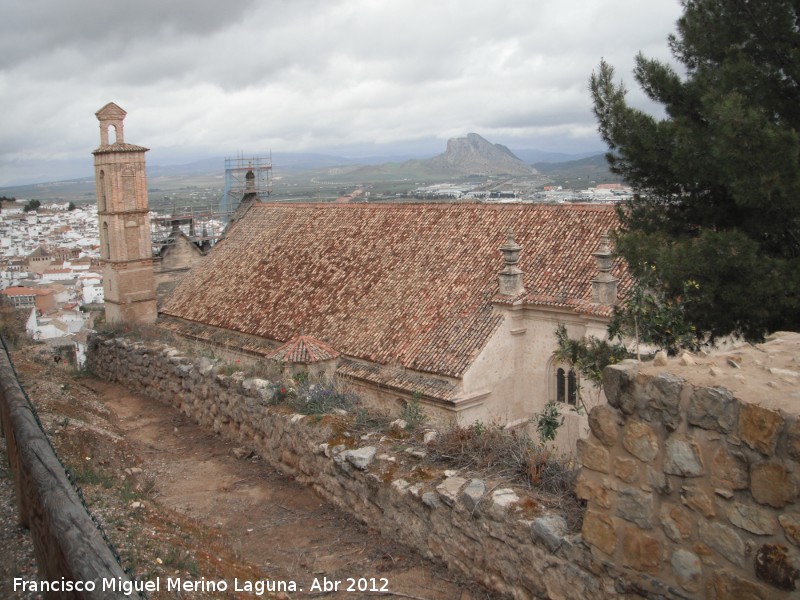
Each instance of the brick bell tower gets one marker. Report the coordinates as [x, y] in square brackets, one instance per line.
[125, 246]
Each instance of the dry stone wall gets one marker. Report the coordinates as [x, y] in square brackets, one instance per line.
[691, 471]
[690, 474]
[474, 526]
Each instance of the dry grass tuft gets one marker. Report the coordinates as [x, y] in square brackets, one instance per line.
[491, 450]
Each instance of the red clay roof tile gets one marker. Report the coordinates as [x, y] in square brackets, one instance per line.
[303, 349]
[411, 284]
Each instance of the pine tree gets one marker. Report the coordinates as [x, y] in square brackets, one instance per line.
[718, 178]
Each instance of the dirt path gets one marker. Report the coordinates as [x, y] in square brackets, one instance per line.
[271, 521]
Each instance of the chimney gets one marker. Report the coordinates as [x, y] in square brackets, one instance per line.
[604, 286]
[250, 182]
[510, 277]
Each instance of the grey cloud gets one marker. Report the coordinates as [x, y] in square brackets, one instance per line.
[293, 75]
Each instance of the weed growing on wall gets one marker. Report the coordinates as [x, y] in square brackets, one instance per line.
[322, 398]
[413, 414]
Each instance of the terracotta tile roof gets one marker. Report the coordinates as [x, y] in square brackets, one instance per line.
[410, 284]
[304, 350]
[24, 291]
[119, 147]
[399, 379]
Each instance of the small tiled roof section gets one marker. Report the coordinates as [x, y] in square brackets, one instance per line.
[406, 284]
[305, 350]
[400, 380]
[24, 291]
[40, 252]
[119, 147]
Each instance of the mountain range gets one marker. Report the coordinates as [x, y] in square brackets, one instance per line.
[466, 156]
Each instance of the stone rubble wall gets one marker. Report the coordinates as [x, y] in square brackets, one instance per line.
[476, 528]
[696, 485]
[690, 474]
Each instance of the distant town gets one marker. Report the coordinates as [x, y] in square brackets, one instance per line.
[50, 252]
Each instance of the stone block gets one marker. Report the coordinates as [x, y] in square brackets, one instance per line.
[593, 456]
[682, 457]
[599, 531]
[752, 518]
[713, 408]
[641, 440]
[502, 500]
[596, 492]
[791, 527]
[688, 569]
[760, 427]
[792, 440]
[448, 490]
[724, 540]
[677, 522]
[472, 494]
[626, 469]
[431, 500]
[550, 530]
[725, 586]
[727, 471]
[604, 423]
[641, 551]
[618, 384]
[772, 484]
[360, 458]
[698, 499]
[636, 506]
[660, 401]
[656, 481]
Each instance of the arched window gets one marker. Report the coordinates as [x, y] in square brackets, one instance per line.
[572, 388]
[101, 206]
[566, 386]
[106, 253]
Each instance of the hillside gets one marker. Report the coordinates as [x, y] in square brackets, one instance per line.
[585, 172]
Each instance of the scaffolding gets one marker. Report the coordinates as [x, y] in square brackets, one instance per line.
[203, 225]
[246, 179]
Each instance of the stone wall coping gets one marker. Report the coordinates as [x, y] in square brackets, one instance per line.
[766, 374]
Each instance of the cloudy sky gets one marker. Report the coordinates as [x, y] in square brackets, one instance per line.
[202, 78]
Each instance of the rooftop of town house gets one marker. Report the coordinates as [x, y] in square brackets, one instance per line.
[26, 291]
[405, 284]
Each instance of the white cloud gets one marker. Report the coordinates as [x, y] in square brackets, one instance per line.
[205, 77]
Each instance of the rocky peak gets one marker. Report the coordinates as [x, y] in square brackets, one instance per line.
[475, 155]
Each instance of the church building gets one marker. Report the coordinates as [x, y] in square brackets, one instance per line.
[455, 305]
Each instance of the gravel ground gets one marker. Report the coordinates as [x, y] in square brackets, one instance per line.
[129, 483]
[16, 548]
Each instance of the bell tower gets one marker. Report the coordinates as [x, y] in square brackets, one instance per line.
[125, 247]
